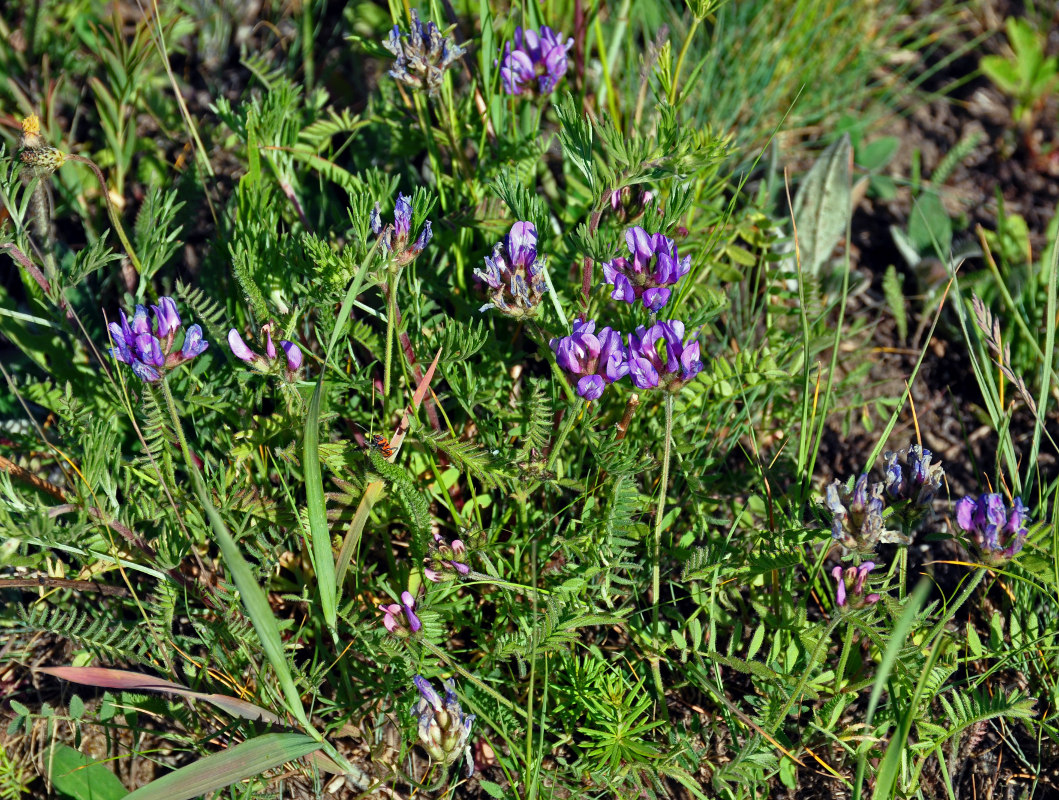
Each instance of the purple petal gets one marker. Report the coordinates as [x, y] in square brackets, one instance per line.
[840, 590]
[522, 244]
[623, 289]
[270, 349]
[655, 299]
[194, 344]
[376, 218]
[402, 216]
[591, 387]
[239, 348]
[427, 692]
[639, 244]
[167, 317]
[965, 509]
[139, 324]
[425, 234]
[145, 372]
[294, 355]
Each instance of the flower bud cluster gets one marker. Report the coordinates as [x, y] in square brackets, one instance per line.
[270, 361]
[849, 589]
[628, 203]
[446, 561]
[395, 238]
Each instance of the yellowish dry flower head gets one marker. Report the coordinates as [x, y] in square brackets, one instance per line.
[34, 152]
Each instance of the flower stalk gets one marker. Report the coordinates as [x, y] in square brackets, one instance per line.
[656, 566]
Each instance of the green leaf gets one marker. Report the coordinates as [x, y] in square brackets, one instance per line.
[77, 707]
[76, 775]
[492, 789]
[895, 298]
[244, 760]
[254, 600]
[929, 227]
[1001, 72]
[877, 154]
[824, 205]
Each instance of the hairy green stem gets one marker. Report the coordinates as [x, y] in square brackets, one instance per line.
[115, 220]
[950, 612]
[847, 646]
[42, 226]
[656, 566]
[568, 425]
[391, 324]
[489, 690]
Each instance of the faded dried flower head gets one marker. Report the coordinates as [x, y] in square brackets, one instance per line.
[423, 54]
[34, 152]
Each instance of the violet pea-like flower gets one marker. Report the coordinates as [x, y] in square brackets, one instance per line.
[648, 369]
[444, 730]
[652, 268]
[594, 359]
[535, 63]
[401, 620]
[149, 349]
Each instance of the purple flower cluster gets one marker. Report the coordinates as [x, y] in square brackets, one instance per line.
[594, 359]
[536, 62]
[401, 620]
[423, 55]
[628, 203]
[996, 532]
[265, 363]
[446, 560]
[148, 349]
[921, 485]
[652, 268]
[849, 590]
[395, 238]
[515, 273]
[912, 482]
[859, 527]
[444, 730]
[655, 357]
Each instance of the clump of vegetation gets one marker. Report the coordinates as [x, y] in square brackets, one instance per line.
[568, 435]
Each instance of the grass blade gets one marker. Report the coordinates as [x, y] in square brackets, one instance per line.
[244, 760]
